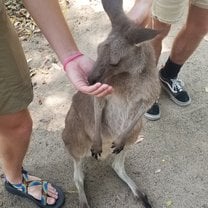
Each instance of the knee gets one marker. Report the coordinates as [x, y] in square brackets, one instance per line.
[24, 128]
[157, 41]
[16, 125]
[163, 32]
[163, 29]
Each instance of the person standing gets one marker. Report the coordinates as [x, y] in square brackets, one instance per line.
[164, 14]
[16, 94]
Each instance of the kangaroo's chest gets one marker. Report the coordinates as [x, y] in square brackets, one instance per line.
[119, 113]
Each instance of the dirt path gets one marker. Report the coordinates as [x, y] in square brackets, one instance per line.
[170, 164]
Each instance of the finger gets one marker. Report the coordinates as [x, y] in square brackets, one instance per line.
[97, 89]
[107, 91]
[101, 89]
[89, 89]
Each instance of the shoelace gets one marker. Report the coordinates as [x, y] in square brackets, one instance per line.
[177, 85]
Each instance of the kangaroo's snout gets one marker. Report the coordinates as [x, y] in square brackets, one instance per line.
[97, 75]
[92, 80]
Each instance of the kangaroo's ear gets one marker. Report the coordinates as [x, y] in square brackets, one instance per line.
[116, 52]
[138, 35]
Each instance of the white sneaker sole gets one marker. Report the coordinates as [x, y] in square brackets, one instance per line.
[182, 104]
[152, 117]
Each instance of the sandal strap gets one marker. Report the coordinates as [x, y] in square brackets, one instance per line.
[43, 184]
[26, 183]
[25, 176]
[22, 187]
[44, 191]
[43, 200]
[45, 187]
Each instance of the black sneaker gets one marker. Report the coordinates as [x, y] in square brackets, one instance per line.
[153, 113]
[174, 87]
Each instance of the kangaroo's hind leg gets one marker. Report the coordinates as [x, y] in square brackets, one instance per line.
[118, 166]
[79, 182]
[78, 144]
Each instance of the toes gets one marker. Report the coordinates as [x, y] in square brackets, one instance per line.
[52, 195]
[52, 191]
[51, 200]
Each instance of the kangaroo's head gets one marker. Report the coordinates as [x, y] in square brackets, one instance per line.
[114, 52]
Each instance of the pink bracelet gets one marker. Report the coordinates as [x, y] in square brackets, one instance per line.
[71, 58]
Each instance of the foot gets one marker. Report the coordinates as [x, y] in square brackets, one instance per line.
[37, 188]
[140, 196]
[153, 113]
[36, 191]
[174, 88]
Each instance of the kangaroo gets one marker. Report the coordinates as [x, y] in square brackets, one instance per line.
[112, 123]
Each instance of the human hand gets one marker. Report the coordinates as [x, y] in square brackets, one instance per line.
[78, 71]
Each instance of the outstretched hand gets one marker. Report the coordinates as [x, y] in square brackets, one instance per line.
[78, 71]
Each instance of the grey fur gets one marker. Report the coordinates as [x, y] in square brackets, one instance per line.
[114, 121]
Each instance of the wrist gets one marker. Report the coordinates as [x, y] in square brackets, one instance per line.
[70, 58]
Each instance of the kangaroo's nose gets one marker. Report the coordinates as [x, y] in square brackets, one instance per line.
[92, 80]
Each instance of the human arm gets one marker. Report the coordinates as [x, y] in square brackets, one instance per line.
[140, 13]
[48, 16]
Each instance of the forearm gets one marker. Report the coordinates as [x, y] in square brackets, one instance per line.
[144, 8]
[140, 12]
[48, 16]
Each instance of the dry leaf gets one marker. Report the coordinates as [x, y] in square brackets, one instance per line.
[169, 203]
[158, 171]
[20, 18]
[139, 139]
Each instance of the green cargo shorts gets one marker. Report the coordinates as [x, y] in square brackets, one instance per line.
[16, 91]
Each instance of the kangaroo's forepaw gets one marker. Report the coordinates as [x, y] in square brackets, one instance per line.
[117, 148]
[96, 153]
[142, 197]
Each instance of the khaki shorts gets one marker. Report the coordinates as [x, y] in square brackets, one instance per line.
[171, 11]
[15, 84]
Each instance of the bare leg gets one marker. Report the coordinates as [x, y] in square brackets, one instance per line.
[191, 35]
[188, 38]
[15, 131]
[157, 41]
[118, 166]
[206, 37]
[141, 15]
[79, 182]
